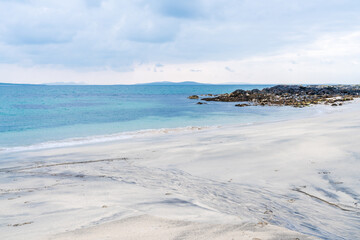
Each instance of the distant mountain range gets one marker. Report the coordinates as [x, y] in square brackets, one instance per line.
[8, 84]
[164, 83]
[14, 84]
[42, 84]
[75, 83]
[174, 83]
[65, 83]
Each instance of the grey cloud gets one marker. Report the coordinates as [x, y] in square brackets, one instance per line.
[112, 33]
[39, 36]
[93, 3]
[180, 9]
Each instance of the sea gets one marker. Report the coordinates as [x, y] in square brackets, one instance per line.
[40, 116]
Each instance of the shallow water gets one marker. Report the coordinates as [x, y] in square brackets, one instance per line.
[34, 114]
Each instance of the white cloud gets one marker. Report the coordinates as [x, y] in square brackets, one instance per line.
[228, 40]
[117, 34]
[332, 58]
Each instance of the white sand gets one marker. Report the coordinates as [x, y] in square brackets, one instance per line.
[219, 183]
[147, 227]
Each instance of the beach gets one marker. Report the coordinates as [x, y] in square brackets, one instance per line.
[179, 120]
[293, 179]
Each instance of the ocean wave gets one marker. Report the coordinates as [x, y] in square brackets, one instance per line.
[69, 142]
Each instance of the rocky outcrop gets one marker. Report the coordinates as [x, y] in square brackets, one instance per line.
[193, 97]
[290, 95]
[242, 105]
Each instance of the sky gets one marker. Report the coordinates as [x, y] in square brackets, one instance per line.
[209, 41]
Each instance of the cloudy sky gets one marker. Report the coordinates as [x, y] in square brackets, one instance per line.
[214, 41]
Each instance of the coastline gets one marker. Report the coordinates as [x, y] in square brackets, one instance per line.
[297, 174]
[318, 110]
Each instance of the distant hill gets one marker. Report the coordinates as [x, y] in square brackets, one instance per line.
[16, 84]
[5, 84]
[42, 84]
[196, 83]
[239, 83]
[65, 83]
[174, 83]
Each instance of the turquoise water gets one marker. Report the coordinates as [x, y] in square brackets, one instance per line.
[33, 114]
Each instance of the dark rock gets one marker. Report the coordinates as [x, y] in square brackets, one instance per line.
[194, 97]
[290, 95]
[201, 103]
[242, 105]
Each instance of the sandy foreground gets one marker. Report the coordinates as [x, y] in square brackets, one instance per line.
[297, 179]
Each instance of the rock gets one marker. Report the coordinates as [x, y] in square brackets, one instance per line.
[238, 92]
[201, 103]
[242, 105]
[290, 95]
[194, 97]
[20, 224]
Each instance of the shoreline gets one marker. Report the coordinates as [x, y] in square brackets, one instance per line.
[119, 136]
[228, 175]
[98, 139]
